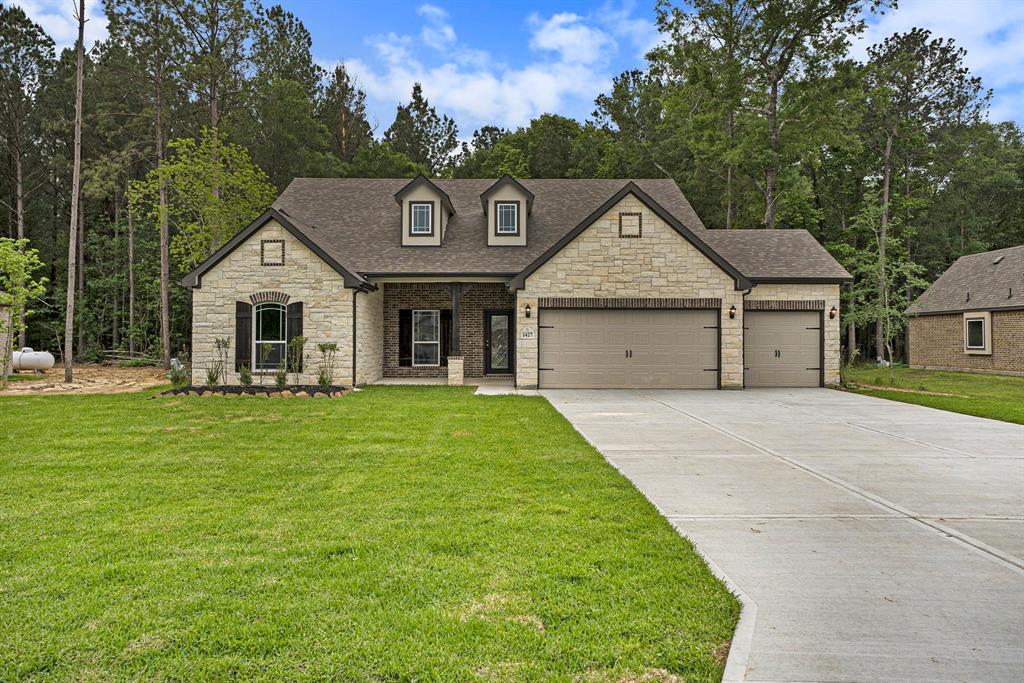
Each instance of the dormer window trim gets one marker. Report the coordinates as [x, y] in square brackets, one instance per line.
[413, 232]
[503, 231]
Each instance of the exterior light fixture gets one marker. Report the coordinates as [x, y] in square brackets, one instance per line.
[528, 309]
[732, 312]
[832, 313]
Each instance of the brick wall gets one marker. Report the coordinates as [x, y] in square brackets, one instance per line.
[937, 341]
[477, 297]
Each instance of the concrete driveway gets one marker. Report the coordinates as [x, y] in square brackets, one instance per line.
[871, 540]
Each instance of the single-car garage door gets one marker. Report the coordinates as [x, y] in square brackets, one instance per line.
[616, 348]
[782, 349]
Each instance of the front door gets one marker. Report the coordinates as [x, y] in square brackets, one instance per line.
[499, 342]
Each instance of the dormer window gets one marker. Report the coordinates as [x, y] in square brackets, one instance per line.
[507, 218]
[421, 219]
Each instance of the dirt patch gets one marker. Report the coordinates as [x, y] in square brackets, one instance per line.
[88, 379]
[903, 390]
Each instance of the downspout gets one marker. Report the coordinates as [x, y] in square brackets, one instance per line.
[355, 293]
[743, 336]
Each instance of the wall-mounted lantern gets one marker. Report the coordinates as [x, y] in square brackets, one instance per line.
[832, 313]
[732, 312]
[528, 309]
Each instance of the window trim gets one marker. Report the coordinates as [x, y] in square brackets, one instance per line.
[412, 212]
[263, 253]
[498, 203]
[436, 342]
[639, 224]
[985, 318]
[256, 333]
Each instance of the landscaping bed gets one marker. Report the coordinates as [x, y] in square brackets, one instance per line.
[290, 391]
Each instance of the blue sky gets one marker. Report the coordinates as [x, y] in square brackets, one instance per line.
[506, 62]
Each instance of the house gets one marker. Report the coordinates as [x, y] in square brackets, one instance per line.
[972, 317]
[547, 283]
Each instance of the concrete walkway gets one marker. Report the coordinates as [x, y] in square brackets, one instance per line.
[872, 540]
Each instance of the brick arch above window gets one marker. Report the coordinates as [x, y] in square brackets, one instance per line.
[269, 297]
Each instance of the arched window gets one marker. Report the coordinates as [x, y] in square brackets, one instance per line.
[270, 340]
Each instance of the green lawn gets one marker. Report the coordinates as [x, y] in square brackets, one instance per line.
[1000, 397]
[395, 534]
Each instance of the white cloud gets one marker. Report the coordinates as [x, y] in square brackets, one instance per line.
[991, 31]
[571, 37]
[58, 20]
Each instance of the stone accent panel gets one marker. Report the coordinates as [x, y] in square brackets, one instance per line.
[800, 295]
[937, 341]
[477, 297]
[327, 304]
[370, 336]
[455, 374]
[660, 264]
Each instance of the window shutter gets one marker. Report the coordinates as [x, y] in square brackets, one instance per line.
[294, 330]
[404, 337]
[446, 335]
[243, 335]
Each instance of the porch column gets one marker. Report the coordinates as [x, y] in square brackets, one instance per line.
[456, 290]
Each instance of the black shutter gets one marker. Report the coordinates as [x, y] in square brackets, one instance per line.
[243, 335]
[294, 330]
[405, 337]
[446, 335]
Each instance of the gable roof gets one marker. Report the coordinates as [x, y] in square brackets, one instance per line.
[292, 225]
[500, 183]
[631, 188]
[419, 180]
[991, 280]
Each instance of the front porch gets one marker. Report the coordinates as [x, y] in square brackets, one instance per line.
[448, 332]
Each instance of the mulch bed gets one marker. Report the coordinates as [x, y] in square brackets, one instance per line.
[291, 391]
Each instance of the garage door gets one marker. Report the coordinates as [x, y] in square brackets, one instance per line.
[585, 348]
[782, 349]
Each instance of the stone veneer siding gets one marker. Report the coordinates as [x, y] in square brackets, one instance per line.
[477, 297]
[810, 292]
[327, 304]
[937, 341]
[661, 263]
[369, 336]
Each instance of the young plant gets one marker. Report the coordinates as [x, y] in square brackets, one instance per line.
[222, 344]
[295, 348]
[213, 373]
[265, 351]
[281, 377]
[245, 376]
[180, 373]
[325, 371]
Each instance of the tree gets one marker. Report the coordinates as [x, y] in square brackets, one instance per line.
[18, 286]
[204, 219]
[422, 135]
[343, 111]
[282, 49]
[76, 183]
[379, 160]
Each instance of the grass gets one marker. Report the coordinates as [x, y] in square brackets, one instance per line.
[396, 534]
[1000, 397]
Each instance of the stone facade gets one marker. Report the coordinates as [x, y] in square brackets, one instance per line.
[477, 297]
[937, 341]
[369, 336]
[327, 304]
[600, 263]
[811, 292]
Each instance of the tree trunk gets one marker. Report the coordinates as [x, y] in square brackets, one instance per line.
[851, 341]
[81, 277]
[115, 326]
[165, 256]
[773, 145]
[76, 176]
[131, 284]
[883, 235]
[730, 127]
[19, 203]
[963, 232]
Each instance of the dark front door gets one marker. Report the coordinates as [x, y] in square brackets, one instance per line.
[499, 342]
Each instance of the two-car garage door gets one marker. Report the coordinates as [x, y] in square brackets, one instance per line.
[634, 348]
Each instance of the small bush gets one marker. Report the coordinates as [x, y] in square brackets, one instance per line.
[325, 372]
[180, 376]
[213, 373]
[245, 376]
[281, 378]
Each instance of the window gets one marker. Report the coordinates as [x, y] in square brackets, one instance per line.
[421, 218]
[978, 333]
[630, 225]
[271, 252]
[508, 218]
[269, 341]
[426, 337]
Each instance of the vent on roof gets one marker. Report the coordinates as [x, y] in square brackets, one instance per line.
[997, 259]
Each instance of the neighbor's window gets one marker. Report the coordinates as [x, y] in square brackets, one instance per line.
[422, 219]
[508, 218]
[976, 333]
[269, 340]
[426, 337]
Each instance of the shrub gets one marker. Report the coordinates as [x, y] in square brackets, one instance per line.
[222, 344]
[213, 373]
[295, 347]
[281, 378]
[245, 376]
[325, 371]
[179, 375]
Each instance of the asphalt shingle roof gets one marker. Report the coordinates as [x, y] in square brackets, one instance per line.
[977, 282]
[358, 222]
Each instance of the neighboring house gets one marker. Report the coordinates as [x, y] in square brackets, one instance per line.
[550, 283]
[972, 317]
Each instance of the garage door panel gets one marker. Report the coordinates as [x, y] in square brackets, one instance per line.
[782, 349]
[587, 348]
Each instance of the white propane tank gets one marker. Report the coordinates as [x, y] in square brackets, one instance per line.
[27, 359]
